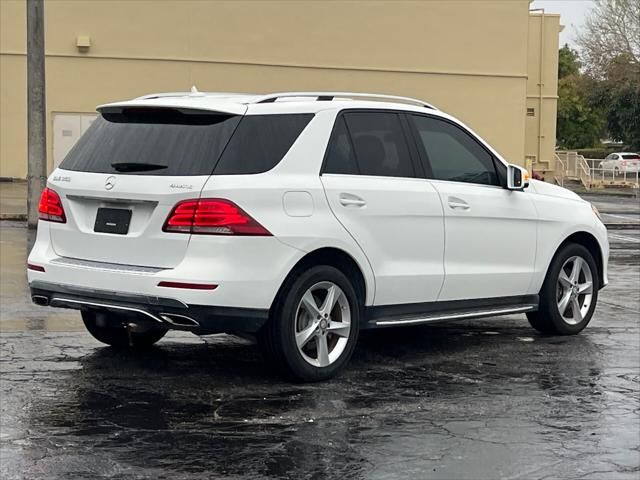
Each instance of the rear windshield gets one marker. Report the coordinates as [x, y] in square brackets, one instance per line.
[170, 142]
[631, 156]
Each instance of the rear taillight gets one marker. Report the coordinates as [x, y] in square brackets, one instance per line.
[212, 216]
[50, 207]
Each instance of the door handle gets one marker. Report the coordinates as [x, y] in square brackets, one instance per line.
[350, 200]
[458, 204]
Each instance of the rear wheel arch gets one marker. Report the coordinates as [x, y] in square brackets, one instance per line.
[334, 257]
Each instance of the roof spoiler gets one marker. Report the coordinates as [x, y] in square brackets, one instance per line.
[222, 106]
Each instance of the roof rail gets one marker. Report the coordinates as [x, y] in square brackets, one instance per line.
[193, 94]
[328, 96]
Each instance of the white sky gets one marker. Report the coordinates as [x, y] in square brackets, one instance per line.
[572, 13]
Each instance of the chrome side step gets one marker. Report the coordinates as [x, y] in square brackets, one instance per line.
[437, 317]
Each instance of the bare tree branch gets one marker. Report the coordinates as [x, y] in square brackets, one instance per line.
[611, 34]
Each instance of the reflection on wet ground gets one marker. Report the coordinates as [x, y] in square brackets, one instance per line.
[479, 399]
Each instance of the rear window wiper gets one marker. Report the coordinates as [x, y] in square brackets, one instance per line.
[137, 167]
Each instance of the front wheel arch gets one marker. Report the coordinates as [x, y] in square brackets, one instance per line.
[588, 241]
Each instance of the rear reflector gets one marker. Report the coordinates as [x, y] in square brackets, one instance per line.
[192, 286]
[50, 207]
[212, 216]
[35, 268]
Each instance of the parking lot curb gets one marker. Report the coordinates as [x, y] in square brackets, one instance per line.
[13, 217]
[623, 226]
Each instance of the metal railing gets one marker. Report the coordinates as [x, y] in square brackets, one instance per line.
[615, 176]
[560, 169]
[573, 166]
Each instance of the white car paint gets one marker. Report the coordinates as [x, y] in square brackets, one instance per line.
[413, 239]
[490, 241]
[379, 212]
[623, 162]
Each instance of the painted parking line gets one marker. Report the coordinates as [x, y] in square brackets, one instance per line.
[632, 217]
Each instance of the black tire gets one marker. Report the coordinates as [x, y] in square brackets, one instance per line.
[277, 337]
[114, 333]
[548, 318]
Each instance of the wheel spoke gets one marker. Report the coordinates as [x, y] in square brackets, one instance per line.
[564, 279]
[577, 313]
[563, 304]
[577, 268]
[310, 305]
[303, 337]
[340, 329]
[323, 350]
[329, 301]
[314, 323]
[585, 288]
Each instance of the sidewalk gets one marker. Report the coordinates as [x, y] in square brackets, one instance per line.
[13, 201]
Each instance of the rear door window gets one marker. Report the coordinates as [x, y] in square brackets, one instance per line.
[377, 143]
[369, 143]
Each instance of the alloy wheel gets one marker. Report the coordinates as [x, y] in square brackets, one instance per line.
[322, 324]
[574, 291]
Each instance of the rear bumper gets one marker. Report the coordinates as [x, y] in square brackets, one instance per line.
[160, 312]
[248, 271]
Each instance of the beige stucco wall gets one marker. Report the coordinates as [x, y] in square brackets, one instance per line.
[469, 57]
[542, 89]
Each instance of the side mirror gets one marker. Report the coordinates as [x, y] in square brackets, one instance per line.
[517, 178]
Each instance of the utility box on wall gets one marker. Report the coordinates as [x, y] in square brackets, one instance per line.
[67, 129]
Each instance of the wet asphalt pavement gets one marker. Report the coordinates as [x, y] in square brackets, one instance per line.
[479, 399]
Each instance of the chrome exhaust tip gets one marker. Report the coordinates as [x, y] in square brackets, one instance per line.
[179, 320]
[40, 300]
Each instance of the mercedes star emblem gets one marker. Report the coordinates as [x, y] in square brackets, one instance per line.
[110, 183]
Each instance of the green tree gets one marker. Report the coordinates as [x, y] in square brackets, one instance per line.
[568, 63]
[580, 121]
[618, 94]
[610, 45]
[623, 117]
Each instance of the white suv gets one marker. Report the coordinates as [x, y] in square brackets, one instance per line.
[303, 218]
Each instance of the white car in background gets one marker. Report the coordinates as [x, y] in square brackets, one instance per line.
[302, 218]
[622, 162]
